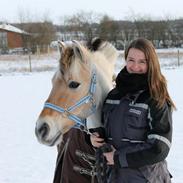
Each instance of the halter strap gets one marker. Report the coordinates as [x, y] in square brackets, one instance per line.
[80, 123]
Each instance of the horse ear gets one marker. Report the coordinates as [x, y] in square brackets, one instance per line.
[78, 50]
[61, 46]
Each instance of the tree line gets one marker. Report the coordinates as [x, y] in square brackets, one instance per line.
[86, 25]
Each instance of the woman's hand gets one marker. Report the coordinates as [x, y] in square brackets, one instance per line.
[110, 156]
[96, 141]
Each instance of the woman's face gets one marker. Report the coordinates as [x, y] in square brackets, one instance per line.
[136, 61]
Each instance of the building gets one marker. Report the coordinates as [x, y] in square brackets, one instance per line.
[11, 37]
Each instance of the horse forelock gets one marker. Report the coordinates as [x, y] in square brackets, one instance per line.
[66, 59]
[70, 63]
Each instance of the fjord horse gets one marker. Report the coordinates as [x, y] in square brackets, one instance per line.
[79, 87]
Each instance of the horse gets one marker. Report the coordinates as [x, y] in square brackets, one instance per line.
[79, 87]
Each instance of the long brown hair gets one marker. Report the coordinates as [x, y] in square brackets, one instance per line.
[156, 80]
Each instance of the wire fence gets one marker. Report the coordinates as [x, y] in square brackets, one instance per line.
[169, 58]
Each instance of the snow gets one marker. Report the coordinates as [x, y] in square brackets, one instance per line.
[23, 159]
[176, 90]
[11, 28]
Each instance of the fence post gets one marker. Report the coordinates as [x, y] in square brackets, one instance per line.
[38, 50]
[30, 65]
[48, 49]
[178, 57]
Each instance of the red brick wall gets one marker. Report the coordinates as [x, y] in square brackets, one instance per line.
[14, 40]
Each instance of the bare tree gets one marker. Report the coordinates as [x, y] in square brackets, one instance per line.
[109, 29]
[127, 32]
[42, 33]
[82, 25]
[41, 30]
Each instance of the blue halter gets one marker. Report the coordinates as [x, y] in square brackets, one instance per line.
[80, 123]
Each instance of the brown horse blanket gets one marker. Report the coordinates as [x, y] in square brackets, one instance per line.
[75, 159]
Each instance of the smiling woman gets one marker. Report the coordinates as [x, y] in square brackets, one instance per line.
[137, 116]
[136, 62]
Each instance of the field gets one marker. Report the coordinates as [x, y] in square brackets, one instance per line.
[169, 58]
[22, 94]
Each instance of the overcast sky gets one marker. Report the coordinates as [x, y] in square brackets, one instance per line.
[10, 10]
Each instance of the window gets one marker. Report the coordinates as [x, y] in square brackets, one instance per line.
[3, 40]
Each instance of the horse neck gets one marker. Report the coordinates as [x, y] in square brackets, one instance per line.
[104, 84]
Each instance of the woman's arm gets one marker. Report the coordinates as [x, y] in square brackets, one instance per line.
[158, 142]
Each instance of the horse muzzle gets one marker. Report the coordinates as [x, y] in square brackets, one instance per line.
[47, 136]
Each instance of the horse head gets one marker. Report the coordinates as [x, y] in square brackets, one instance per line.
[78, 90]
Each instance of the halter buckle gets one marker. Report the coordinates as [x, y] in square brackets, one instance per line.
[66, 113]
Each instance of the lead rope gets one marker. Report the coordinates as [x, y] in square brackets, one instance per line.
[101, 164]
[93, 174]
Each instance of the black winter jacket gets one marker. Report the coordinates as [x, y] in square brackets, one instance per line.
[141, 134]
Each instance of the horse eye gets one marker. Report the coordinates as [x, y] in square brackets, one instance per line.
[73, 84]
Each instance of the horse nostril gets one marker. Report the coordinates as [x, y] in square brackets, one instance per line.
[43, 130]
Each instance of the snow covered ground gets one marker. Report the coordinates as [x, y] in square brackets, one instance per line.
[22, 158]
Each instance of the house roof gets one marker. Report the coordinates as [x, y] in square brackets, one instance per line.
[8, 27]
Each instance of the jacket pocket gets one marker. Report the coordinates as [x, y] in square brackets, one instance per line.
[136, 124]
